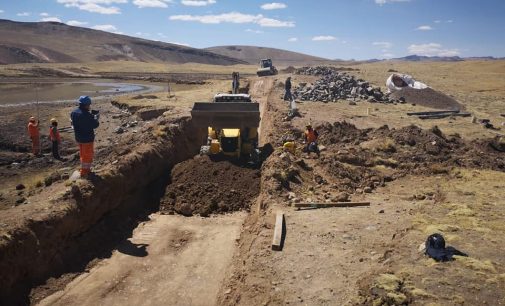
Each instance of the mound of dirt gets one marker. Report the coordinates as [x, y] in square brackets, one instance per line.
[409, 150]
[427, 97]
[204, 186]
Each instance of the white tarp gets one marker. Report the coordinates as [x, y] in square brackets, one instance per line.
[407, 79]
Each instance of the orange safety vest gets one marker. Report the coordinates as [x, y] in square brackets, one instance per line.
[33, 129]
[311, 136]
[54, 134]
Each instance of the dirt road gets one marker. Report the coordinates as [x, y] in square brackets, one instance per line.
[166, 256]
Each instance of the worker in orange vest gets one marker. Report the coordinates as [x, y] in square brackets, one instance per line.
[310, 139]
[33, 131]
[54, 136]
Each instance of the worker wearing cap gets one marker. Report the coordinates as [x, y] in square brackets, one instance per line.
[54, 136]
[33, 131]
[85, 123]
[310, 137]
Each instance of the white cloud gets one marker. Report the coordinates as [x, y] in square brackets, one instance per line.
[235, 17]
[293, 39]
[323, 38]
[432, 49]
[437, 21]
[107, 28]
[254, 31]
[424, 28]
[450, 21]
[381, 2]
[142, 34]
[388, 55]
[51, 19]
[274, 6]
[2, 11]
[44, 14]
[95, 6]
[151, 3]
[23, 14]
[76, 23]
[198, 2]
[178, 43]
[383, 44]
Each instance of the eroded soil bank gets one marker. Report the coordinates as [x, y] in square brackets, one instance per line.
[65, 226]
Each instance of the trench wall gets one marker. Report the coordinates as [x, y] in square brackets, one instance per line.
[43, 245]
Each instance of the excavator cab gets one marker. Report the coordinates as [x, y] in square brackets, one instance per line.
[266, 68]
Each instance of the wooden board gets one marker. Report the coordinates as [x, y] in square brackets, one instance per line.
[440, 116]
[278, 241]
[432, 112]
[326, 205]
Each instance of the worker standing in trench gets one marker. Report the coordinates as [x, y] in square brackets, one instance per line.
[85, 122]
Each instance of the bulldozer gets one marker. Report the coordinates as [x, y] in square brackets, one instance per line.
[232, 122]
[266, 68]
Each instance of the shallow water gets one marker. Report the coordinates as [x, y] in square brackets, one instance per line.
[23, 92]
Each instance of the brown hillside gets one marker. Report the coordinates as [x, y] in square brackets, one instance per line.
[280, 57]
[53, 42]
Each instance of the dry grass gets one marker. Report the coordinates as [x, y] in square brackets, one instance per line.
[128, 67]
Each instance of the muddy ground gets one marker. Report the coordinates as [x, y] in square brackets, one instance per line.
[418, 180]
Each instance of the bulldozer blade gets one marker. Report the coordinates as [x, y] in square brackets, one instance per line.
[229, 115]
[264, 72]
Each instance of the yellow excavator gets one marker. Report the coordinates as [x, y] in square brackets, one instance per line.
[232, 122]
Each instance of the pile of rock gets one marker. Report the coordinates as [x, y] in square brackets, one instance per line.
[334, 85]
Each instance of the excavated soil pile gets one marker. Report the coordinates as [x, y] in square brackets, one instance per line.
[426, 97]
[204, 186]
[357, 161]
[409, 149]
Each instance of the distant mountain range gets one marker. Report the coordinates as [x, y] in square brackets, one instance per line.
[421, 58]
[54, 42]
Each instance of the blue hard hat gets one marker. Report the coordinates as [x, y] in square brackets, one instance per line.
[84, 100]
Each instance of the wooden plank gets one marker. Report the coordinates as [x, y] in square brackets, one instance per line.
[432, 113]
[326, 205]
[439, 116]
[278, 240]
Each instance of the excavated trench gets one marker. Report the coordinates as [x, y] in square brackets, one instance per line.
[90, 220]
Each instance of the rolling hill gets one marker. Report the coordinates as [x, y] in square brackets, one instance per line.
[53, 42]
[280, 57]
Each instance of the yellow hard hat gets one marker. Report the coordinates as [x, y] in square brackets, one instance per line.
[53, 120]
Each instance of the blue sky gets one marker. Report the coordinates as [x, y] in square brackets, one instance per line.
[347, 29]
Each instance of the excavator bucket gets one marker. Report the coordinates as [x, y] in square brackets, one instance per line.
[228, 115]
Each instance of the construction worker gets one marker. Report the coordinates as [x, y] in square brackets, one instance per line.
[287, 95]
[54, 136]
[235, 85]
[310, 139]
[85, 122]
[33, 131]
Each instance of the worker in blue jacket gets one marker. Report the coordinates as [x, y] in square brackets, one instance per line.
[85, 122]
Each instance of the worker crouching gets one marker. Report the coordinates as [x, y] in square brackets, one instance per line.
[310, 139]
[85, 122]
[33, 131]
